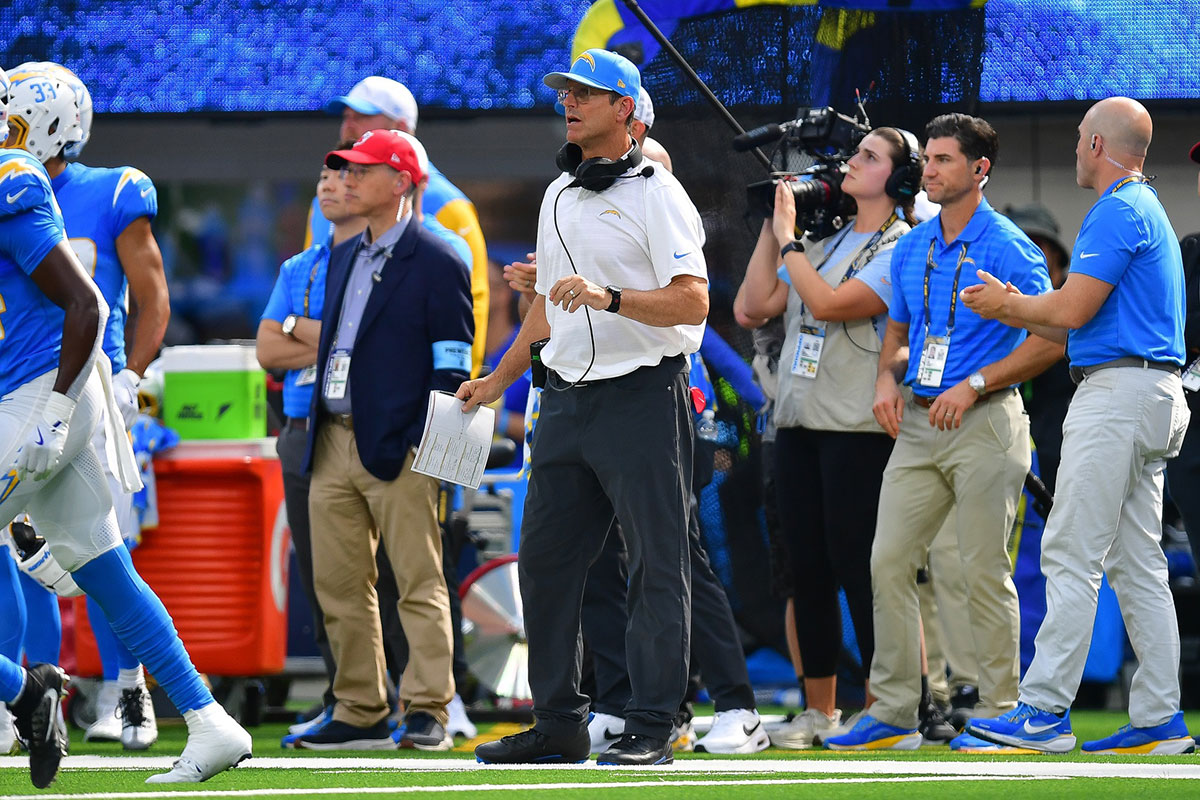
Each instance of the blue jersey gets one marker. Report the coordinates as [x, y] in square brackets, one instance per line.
[1127, 241]
[31, 225]
[991, 242]
[299, 290]
[98, 204]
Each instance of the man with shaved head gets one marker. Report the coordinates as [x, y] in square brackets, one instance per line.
[1121, 313]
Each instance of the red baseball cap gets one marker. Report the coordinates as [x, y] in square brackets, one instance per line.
[1194, 153]
[380, 147]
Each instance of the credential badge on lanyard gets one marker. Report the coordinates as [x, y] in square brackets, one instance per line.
[937, 348]
[1191, 377]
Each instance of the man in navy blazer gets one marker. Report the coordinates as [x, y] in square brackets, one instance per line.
[397, 324]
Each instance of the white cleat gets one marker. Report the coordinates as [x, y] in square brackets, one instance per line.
[8, 734]
[107, 727]
[215, 743]
[139, 727]
[604, 730]
[738, 730]
[460, 724]
[805, 730]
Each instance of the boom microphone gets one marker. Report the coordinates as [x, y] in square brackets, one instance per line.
[751, 139]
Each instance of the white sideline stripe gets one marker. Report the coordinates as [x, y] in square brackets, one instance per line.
[849, 764]
[505, 787]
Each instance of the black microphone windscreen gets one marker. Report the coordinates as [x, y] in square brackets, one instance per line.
[751, 139]
[647, 172]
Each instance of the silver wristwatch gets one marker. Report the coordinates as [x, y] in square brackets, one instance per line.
[977, 382]
[289, 324]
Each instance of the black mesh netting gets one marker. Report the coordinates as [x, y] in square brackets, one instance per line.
[764, 63]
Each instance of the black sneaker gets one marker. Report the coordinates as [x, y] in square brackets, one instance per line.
[424, 732]
[39, 722]
[633, 749]
[335, 735]
[933, 727]
[534, 747]
[965, 697]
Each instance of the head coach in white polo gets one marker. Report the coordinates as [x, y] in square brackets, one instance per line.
[622, 294]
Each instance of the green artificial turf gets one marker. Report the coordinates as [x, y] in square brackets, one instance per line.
[608, 785]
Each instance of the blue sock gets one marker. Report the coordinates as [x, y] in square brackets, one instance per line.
[12, 620]
[139, 619]
[43, 631]
[12, 679]
[114, 656]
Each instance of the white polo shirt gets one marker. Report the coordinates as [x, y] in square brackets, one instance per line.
[637, 234]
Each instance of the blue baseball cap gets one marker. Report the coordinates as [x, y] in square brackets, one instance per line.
[600, 69]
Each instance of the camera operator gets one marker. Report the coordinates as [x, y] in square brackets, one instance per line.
[829, 451]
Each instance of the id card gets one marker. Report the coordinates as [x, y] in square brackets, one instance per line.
[933, 361]
[338, 375]
[808, 352]
[307, 376]
[1191, 376]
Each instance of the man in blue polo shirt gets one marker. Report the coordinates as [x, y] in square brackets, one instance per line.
[962, 437]
[1121, 314]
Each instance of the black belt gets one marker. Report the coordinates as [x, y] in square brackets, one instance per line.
[297, 423]
[566, 384]
[1079, 373]
[343, 420]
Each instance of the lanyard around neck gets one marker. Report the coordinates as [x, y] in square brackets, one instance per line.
[929, 267]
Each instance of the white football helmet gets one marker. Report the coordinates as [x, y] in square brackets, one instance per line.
[83, 100]
[4, 91]
[43, 113]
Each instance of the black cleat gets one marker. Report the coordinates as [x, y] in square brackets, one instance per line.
[633, 749]
[36, 713]
[534, 747]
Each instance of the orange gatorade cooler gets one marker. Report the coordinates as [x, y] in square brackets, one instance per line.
[218, 559]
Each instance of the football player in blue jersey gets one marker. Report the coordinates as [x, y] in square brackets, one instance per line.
[108, 214]
[56, 387]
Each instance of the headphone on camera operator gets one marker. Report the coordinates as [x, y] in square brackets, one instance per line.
[905, 180]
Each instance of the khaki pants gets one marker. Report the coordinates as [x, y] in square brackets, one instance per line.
[949, 642]
[977, 471]
[349, 510]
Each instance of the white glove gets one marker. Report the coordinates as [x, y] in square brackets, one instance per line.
[39, 454]
[125, 390]
[43, 568]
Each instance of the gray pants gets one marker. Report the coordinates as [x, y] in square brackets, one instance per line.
[1122, 426]
[615, 449]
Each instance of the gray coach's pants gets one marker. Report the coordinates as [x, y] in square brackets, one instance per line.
[620, 448]
[1122, 426]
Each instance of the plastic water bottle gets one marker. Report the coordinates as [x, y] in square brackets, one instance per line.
[707, 427]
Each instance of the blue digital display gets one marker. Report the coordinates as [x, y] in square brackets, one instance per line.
[293, 55]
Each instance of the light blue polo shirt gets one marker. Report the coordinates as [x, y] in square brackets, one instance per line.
[1127, 241]
[300, 290]
[993, 243]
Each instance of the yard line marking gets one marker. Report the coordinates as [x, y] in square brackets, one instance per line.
[1032, 766]
[510, 787]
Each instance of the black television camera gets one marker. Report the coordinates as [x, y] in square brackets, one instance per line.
[829, 139]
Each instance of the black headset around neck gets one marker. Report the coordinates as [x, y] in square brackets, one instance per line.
[598, 174]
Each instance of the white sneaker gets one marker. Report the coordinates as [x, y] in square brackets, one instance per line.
[215, 743]
[459, 723]
[604, 729]
[107, 727]
[803, 731]
[139, 727]
[738, 730]
[841, 730]
[683, 737]
[8, 734]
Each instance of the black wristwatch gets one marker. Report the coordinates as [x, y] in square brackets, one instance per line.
[615, 305]
[789, 247]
